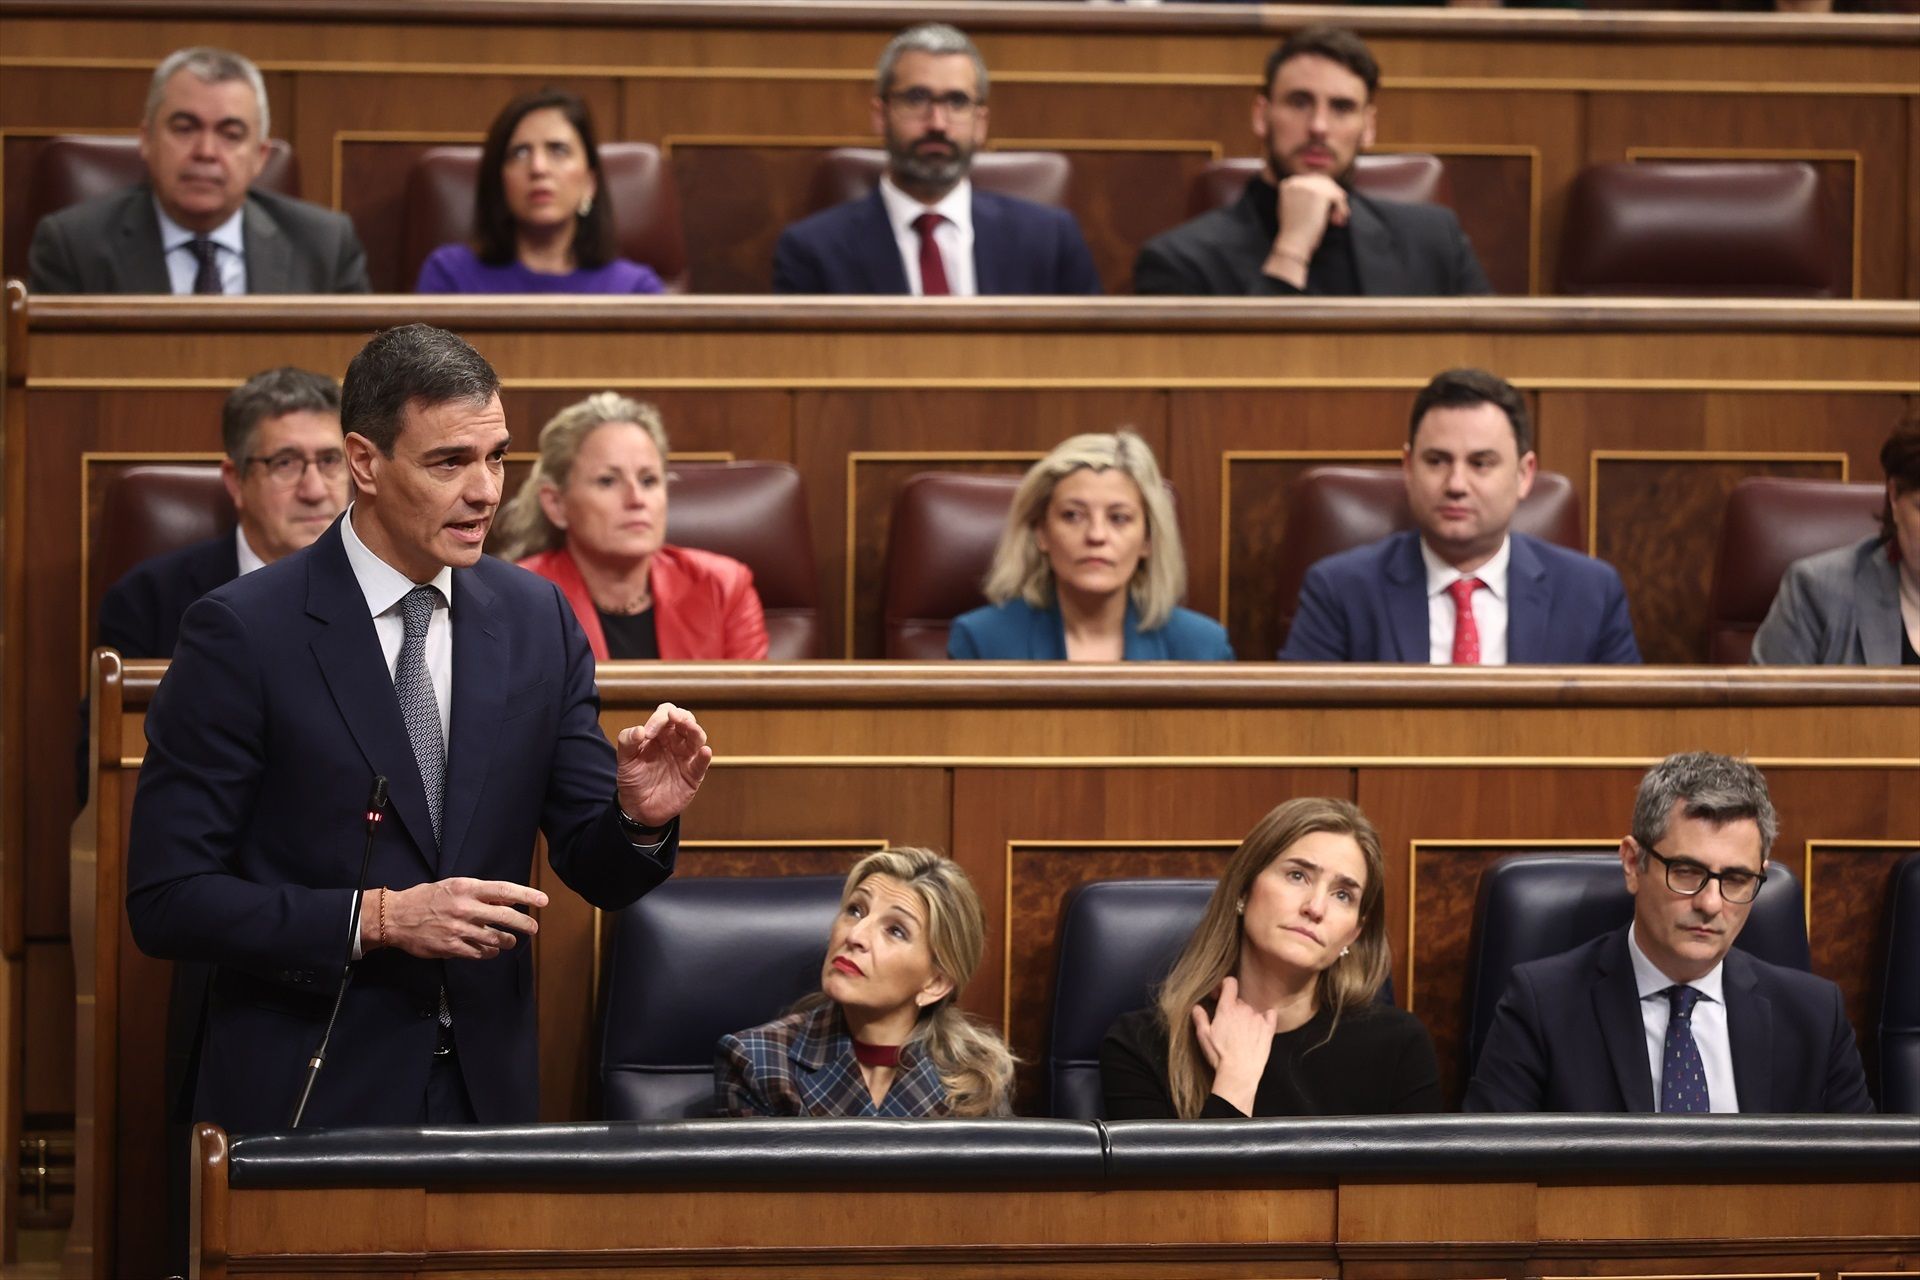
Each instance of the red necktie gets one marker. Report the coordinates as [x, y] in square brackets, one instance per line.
[1466, 633]
[933, 268]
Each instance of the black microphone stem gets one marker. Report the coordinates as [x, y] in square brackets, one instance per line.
[376, 802]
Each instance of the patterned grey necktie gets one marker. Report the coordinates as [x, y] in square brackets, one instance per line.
[206, 257]
[413, 686]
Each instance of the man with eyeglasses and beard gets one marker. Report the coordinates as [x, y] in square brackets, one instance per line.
[1663, 1015]
[926, 230]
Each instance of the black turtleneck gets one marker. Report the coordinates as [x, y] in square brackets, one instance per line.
[1331, 272]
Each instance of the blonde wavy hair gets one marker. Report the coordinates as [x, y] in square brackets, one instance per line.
[975, 1066]
[522, 527]
[1020, 568]
[1213, 952]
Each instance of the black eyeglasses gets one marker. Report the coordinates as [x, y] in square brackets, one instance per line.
[918, 102]
[1689, 878]
[287, 467]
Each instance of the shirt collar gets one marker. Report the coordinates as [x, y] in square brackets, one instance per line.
[1649, 981]
[249, 558]
[1492, 574]
[956, 206]
[381, 583]
[227, 235]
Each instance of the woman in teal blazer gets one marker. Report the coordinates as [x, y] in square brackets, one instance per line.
[1089, 566]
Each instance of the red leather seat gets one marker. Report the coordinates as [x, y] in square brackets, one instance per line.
[848, 173]
[1337, 508]
[1415, 178]
[147, 511]
[76, 167]
[1768, 525]
[646, 207]
[945, 528]
[755, 512]
[1720, 229]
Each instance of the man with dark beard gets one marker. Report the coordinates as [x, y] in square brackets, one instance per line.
[926, 230]
[1299, 227]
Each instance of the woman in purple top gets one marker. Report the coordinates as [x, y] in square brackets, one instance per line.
[541, 222]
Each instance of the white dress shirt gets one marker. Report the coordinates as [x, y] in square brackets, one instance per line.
[182, 266]
[954, 237]
[249, 558]
[1709, 1026]
[385, 587]
[1489, 605]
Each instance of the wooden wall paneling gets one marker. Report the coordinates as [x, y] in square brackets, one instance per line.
[1655, 516]
[749, 821]
[1124, 193]
[736, 198]
[1498, 197]
[1438, 827]
[1911, 284]
[369, 184]
[1235, 455]
[857, 447]
[1026, 836]
[1825, 127]
[1850, 885]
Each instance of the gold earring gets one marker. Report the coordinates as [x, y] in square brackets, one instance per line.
[1344, 951]
[1240, 907]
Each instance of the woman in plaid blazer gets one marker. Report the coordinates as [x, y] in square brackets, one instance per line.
[883, 1036]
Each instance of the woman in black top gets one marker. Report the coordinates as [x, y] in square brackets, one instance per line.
[1270, 1009]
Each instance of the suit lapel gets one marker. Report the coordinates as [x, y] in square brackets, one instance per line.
[823, 1067]
[1375, 264]
[1046, 633]
[990, 246]
[1616, 1005]
[1749, 1033]
[1407, 601]
[875, 245]
[269, 256]
[348, 652]
[479, 696]
[1529, 601]
[143, 258]
[1877, 619]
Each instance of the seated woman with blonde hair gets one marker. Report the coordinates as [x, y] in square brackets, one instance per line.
[1090, 566]
[592, 519]
[1270, 1009]
[884, 1035]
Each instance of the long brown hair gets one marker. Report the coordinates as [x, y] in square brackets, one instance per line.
[1213, 952]
[975, 1066]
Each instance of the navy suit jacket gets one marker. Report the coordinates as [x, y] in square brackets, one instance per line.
[248, 822]
[1017, 630]
[1567, 1036]
[1019, 247]
[1369, 604]
[140, 614]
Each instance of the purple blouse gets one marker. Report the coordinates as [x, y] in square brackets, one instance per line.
[453, 268]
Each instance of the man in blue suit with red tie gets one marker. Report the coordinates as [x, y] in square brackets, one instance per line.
[1461, 586]
[393, 649]
[925, 230]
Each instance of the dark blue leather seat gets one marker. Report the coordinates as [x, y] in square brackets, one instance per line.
[1534, 905]
[1900, 995]
[1118, 938]
[690, 962]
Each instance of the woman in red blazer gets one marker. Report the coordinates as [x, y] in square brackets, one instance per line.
[592, 518]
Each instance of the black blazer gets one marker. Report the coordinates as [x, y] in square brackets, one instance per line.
[1019, 247]
[140, 614]
[262, 741]
[1567, 1036]
[111, 244]
[1399, 251]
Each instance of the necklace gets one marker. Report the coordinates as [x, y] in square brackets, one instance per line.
[627, 609]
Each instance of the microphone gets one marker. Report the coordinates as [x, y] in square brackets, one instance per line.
[376, 803]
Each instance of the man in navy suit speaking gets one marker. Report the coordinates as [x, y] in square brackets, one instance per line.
[391, 648]
[925, 230]
[1462, 587]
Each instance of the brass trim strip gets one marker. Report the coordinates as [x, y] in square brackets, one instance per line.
[1596, 456]
[875, 382]
[1006, 917]
[1856, 158]
[1505, 842]
[857, 456]
[1253, 762]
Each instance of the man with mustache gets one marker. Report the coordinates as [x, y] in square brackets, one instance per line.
[1462, 587]
[1663, 1015]
[1299, 227]
[926, 230]
[196, 225]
